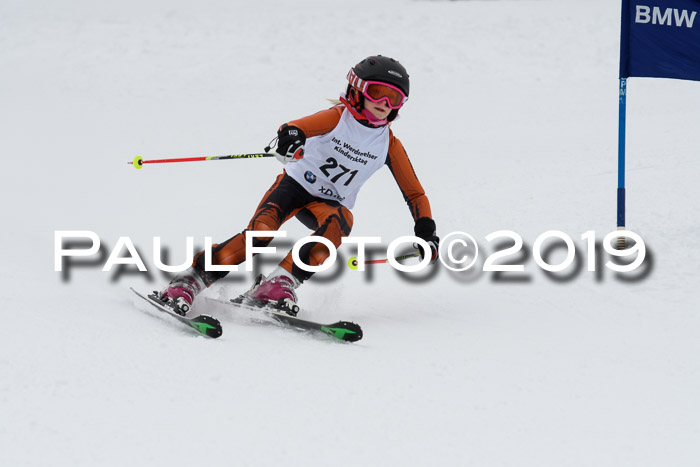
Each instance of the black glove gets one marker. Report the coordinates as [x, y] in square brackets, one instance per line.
[290, 144]
[425, 229]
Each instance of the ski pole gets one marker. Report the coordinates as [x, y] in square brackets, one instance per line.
[138, 161]
[353, 263]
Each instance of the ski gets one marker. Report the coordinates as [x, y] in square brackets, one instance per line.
[343, 330]
[203, 324]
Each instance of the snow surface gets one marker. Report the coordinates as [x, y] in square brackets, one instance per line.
[512, 124]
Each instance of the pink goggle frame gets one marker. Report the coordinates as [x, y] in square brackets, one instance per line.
[376, 91]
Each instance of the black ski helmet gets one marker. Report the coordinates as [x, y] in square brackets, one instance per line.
[376, 68]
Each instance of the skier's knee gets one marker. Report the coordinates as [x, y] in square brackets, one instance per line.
[261, 226]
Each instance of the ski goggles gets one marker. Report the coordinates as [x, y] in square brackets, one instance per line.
[376, 91]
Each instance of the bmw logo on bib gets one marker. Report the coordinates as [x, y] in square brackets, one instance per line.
[310, 177]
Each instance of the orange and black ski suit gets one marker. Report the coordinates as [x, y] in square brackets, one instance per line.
[329, 218]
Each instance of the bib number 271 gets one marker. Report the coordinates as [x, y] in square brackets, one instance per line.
[331, 167]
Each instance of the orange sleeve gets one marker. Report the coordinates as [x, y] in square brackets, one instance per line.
[319, 123]
[405, 176]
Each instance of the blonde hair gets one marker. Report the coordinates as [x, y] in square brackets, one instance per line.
[334, 102]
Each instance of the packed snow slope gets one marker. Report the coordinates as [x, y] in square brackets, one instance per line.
[511, 125]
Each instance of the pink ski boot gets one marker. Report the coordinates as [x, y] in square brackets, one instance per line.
[280, 291]
[179, 294]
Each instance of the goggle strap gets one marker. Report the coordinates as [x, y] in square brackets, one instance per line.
[356, 81]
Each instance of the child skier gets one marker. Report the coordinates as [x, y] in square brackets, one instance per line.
[329, 156]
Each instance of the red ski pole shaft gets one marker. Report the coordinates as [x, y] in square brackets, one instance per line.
[138, 161]
[353, 263]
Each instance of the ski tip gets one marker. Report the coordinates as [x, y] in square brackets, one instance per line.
[344, 330]
[207, 325]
